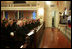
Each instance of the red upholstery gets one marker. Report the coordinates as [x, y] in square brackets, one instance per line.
[69, 25]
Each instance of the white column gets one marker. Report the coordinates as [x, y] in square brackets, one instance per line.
[18, 14]
[57, 18]
[48, 16]
[3, 15]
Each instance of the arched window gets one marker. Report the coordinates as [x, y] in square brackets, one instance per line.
[6, 15]
[34, 15]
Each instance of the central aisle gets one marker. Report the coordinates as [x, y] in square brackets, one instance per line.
[53, 38]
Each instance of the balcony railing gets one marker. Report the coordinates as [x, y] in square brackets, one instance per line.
[65, 30]
[18, 5]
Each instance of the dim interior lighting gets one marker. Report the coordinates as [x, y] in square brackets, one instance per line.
[12, 33]
[40, 11]
[48, 2]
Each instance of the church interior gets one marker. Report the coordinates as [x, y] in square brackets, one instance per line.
[35, 24]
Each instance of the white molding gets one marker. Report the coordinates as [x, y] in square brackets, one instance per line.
[18, 8]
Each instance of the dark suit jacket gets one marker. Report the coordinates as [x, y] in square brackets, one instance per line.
[20, 35]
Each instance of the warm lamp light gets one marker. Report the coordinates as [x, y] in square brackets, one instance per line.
[48, 2]
[40, 11]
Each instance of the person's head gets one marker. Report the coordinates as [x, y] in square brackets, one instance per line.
[21, 18]
[24, 23]
[11, 22]
[6, 24]
[30, 21]
[27, 22]
[14, 19]
[69, 13]
[35, 20]
[20, 23]
[1, 21]
[10, 19]
[38, 19]
[5, 19]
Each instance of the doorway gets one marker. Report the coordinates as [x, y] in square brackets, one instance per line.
[53, 18]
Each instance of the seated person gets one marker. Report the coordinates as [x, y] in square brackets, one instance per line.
[11, 28]
[69, 20]
[33, 24]
[27, 26]
[5, 35]
[38, 22]
[30, 25]
[11, 25]
[6, 28]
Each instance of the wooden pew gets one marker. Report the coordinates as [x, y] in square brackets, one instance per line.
[37, 35]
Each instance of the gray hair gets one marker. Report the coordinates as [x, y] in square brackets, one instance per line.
[20, 21]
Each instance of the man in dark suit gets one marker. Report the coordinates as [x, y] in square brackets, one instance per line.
[5, 35]
[38, 22]
[2, 26]
[2, 29]
[9, 39]
[30, 25]
[6, 28]
[33, 24]
[20, 34]
[27, 26]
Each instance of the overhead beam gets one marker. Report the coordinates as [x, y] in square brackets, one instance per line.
[18, 8]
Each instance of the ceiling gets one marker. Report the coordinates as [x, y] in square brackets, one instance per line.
[9, 2]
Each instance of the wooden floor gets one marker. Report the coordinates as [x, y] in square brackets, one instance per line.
[53, 38]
